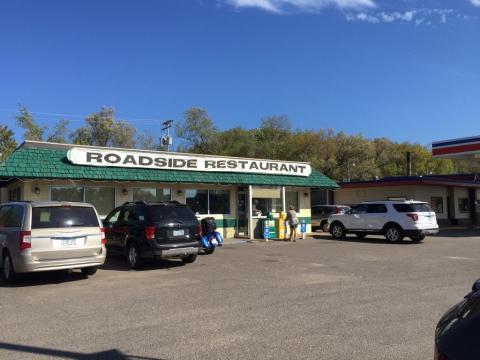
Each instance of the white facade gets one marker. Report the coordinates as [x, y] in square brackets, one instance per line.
[428, 193]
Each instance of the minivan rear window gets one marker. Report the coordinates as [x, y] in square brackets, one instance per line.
[63, 216]
[404, 208]
[159, 213]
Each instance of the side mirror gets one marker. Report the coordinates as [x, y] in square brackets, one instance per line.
[476, 286]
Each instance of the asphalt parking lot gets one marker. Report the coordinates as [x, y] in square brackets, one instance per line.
[314, 299]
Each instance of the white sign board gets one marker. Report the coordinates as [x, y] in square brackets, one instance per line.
[172, 161]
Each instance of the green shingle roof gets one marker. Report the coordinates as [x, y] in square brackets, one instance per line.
[51, 163]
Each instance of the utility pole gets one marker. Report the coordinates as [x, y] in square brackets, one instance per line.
[409, 163]
[166, 140]
[348, 168]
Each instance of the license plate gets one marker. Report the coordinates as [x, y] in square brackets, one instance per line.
[178, 232]
[68, 243]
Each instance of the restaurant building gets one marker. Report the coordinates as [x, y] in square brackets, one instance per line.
[237, 192]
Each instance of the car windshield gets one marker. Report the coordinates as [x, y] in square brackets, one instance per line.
[420, 207]
[181, 213]
[63, 216]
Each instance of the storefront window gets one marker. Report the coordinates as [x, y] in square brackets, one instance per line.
[197, 200]
[463, 205]
[219, 201]
[265, 200]
[291, 198]
[14, 195]
[66, 193]
[152, 194]
[208, 201]
[103, 198]
[436, 202]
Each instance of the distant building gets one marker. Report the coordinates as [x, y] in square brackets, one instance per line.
[455, 198]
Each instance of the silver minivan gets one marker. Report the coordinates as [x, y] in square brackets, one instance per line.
[44, 236]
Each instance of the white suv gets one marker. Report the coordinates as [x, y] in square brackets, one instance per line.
[394, 219]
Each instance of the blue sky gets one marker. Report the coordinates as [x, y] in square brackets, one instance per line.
[407, 70]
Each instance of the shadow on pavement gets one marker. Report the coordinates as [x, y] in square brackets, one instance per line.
[46, 278]
[113, 354]
[366, 240]
[458, 233]
[119, 263]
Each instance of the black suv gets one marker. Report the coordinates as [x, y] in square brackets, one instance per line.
[144, 230]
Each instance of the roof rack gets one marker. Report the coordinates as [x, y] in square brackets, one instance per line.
[143, 202]
[135, 202]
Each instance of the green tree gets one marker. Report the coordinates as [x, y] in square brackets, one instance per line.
[197, 130]
[26, 121]
[123, 135]
[98, 129]
[146, 141]
[235, 142]
[272, 136]
[7, 142]
[59, 133]
[101, 129]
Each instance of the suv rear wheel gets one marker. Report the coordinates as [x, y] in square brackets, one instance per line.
[133, 256]
[325, 226]
[209, 251]
[418, 238]
[393, 233]
[89, 271]
[189, 259]
[9, 274]
[337, 230]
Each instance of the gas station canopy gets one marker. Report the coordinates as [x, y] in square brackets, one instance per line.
[468, 147]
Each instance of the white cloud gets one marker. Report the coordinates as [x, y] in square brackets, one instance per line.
[417, 16]
[279, 6]
[262, 4]
[363, 17]
[475, 2]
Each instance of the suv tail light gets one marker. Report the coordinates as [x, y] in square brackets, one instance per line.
[102, 236]
[25, 240]
[414, 217]
[199, 230]
[337, 210]
[150, 232]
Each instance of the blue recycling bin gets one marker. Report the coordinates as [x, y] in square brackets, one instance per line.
[303, 227]
[266, 229]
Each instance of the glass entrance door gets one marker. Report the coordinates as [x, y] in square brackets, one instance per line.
[242, 214]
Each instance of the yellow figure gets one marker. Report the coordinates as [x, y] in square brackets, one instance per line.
[281, 228]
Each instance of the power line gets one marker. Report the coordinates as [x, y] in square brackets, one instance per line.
[82, 117]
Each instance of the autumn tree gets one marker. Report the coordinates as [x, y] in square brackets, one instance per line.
[35, 132]
[32, 131]
[198, 131]
[237, 142]
[59, 133]
[147, 141]
[271, 137]
[7, 142]
[102, 129]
